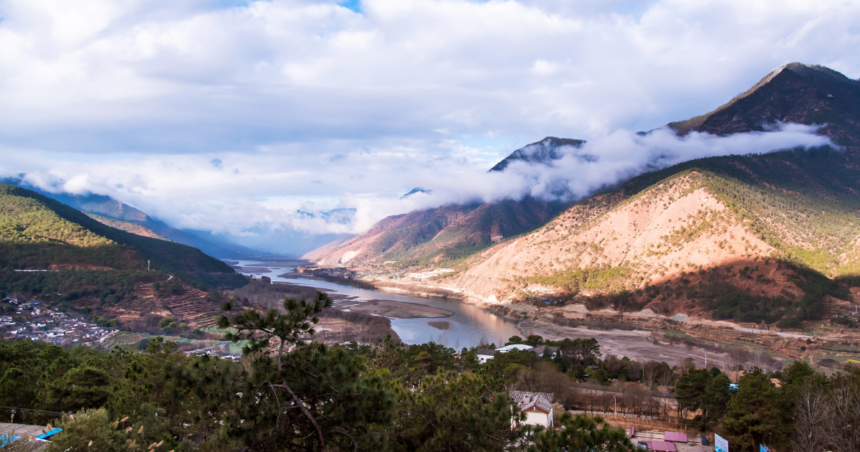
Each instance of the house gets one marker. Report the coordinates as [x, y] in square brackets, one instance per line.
[536, 405]
[508, 348]
[485, 355]
[553, 351]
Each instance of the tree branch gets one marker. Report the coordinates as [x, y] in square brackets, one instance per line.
[355, 444]
[305, 411]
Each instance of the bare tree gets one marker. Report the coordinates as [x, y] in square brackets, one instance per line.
[737, 358]
[811, 415]
[650, 372]
[843, 426]
[760, 359]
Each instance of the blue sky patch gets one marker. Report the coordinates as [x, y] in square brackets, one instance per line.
[354, 5]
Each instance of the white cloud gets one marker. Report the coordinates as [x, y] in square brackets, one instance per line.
[139, 99]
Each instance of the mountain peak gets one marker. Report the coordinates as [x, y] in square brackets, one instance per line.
[543, 152]
[792, 93]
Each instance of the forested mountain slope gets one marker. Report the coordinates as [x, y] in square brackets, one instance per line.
[37, 232]
[107, 207]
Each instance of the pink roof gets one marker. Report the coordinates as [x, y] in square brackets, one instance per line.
[675, 436]
[662, 446]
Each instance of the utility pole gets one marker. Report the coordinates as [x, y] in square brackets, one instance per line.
[615, 401]
[147, 265]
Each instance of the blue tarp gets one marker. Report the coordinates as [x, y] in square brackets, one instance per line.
[49, 434]
[6, 439]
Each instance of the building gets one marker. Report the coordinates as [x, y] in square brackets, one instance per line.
[508, 348]
[485, 355]
[553, 351]
[536, 405]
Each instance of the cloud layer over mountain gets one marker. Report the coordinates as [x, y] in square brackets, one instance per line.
[224, 115]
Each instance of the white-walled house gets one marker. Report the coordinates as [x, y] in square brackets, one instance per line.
[536, 405]
[485, 355]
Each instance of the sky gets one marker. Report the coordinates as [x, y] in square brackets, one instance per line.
[229, 116]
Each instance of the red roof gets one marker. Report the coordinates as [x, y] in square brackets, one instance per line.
[677, 437]
[662, 446]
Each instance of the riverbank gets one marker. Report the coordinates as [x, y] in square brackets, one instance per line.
[646, 335]
[394, 309]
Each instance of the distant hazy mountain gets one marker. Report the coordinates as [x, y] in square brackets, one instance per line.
[106, 206]
[416, 190]
[37, 232]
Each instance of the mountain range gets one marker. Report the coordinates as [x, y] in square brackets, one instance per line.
[759, 237]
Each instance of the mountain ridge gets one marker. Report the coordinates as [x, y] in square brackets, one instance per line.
[739, 236]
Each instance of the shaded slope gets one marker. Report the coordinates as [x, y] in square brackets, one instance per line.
[542, 152]
[106, 206]
[797, 93]
[438, 235]
[39, 232]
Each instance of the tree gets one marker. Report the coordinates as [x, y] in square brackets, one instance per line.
[843, 425]
[811, 412]
[308, 398]
[514, 340]
[453, 412]
[534, 340]
[690, 389]
[581, 434]
[81, 387]
[89, 430]
[717, 396]
[757, 413]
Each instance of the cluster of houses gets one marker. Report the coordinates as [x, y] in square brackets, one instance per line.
[485, 355]
[31, 321]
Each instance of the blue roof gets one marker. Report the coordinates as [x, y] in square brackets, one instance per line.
[49, 434]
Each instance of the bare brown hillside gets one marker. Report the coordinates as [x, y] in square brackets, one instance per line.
[674, 227]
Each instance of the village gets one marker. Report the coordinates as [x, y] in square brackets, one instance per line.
[33, 321]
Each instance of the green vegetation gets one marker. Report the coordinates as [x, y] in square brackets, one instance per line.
[127, 226]
[573, 281]
[297, 396]
[288, 394]
[37, 232]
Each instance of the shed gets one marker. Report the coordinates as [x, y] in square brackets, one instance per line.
[676, 437]
[661, 446]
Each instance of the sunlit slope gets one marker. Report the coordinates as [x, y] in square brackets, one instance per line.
[695, 224]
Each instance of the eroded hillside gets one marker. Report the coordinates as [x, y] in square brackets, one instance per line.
[436, 235]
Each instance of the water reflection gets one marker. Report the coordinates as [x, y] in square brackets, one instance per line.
[466, 328]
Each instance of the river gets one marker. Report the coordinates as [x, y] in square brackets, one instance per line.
[467, 327]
